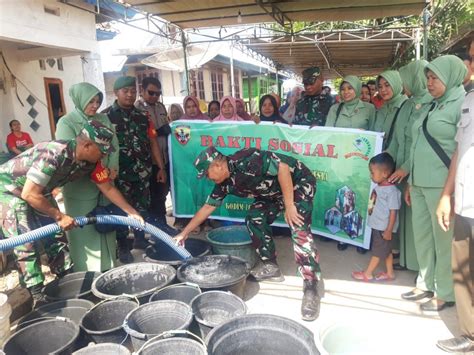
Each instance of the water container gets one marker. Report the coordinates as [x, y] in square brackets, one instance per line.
[5, 312]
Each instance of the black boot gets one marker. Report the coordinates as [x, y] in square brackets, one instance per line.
[267, 270]
[311, 301]
[37, 295]
[140, 242]
[124, 254]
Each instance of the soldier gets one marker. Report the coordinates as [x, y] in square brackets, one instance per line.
[149, 103]
[278, 183]
[25, 194]
[313, 107]
[137, 141]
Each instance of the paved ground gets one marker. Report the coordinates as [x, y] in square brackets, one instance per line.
[369, 315]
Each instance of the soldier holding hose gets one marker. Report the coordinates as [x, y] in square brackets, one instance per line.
[26, 184]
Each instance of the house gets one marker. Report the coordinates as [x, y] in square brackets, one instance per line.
[211, 81]
[46, 46]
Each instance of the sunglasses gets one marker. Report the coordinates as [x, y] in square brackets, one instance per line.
[154, 93]
[310, 81]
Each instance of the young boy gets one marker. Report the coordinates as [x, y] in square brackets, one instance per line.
[384, 204]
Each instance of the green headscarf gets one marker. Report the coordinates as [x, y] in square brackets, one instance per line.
[393, 78]
[81, 94]
[451, 71]
[414, 78]
[354, 82]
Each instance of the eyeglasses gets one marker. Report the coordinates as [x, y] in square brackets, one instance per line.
[310, 81]
[154, 93]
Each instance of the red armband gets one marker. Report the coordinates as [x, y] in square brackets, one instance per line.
[100, 174]
[151, 130]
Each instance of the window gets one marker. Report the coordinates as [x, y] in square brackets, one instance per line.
[236, 84]
[196, 78]
[263, 87]
[217, 85]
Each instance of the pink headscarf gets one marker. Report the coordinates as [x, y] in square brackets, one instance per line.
[245, 116]
[199, 116]
[235, 117]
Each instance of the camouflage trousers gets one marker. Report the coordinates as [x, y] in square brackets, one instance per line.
[137, 194]
[263, 213]
[17, 217]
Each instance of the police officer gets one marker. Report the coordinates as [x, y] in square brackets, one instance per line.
[277, 183]
[149, 102]
[26, 183]
[137, 141]
[313, 107]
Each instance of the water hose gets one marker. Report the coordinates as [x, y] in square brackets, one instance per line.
[43, 232]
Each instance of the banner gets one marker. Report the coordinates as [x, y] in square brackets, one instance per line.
[338, 158]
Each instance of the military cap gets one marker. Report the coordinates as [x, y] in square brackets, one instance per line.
[204, 160]
[310, 75]
[100, 135]
[124, 81]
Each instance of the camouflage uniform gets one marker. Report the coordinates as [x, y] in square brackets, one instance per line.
[254, 173]
[50, 165]
[134, 130]
[312, 110]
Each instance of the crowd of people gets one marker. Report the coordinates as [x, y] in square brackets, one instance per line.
[418, 108]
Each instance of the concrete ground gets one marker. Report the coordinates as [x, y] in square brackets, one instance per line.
[356, 317]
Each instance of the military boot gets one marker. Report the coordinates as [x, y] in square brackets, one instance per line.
[124, 254]
[37, 295]
[267, 270]
[140, 242]
[311, 301]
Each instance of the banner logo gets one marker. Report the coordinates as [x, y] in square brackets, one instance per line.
[363, 148]
[182, 134]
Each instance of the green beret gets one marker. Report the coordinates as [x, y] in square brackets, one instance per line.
[124, 81]
[204, 160]
[100, 135]
[311, 72]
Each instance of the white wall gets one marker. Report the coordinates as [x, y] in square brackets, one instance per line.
[30, 80]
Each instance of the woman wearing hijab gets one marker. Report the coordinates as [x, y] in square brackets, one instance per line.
[192, 110]
[433, 146]
[289, 109]
[390, 88]
[414, 84]
[175, 112]
[240, 104]
[89, 249]
[213, 109]
[268, 107]
[352, 112]
[365, 93]
[228, 110]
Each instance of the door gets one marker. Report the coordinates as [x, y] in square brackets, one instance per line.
[55, 101]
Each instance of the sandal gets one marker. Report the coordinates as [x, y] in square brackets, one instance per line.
[360, 276]
[383, 276]
[196, 230]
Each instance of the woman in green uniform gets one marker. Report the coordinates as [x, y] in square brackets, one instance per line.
[428, 171]
[390, 88]
[414, 84]
[352, 112]
[90, 250]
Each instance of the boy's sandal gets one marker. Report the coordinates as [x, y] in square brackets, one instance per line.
[360, 276]
[383, 276]
[196, 230]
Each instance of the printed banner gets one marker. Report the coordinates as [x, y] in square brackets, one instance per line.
[338, 158]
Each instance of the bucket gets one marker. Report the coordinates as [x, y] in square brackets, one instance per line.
[75, 285]
[262, 334]
[52, 336]
[235, 241]
[5, 312]
[163, 254]
[348, 339]
[103, 323]
[213, 308]
[216, 272]
[103, 349]
[152, 319]
[74, 309]
[184, 292]
[164, 345]
[139, 280]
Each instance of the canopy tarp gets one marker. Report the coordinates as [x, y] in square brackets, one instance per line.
[207, 13]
